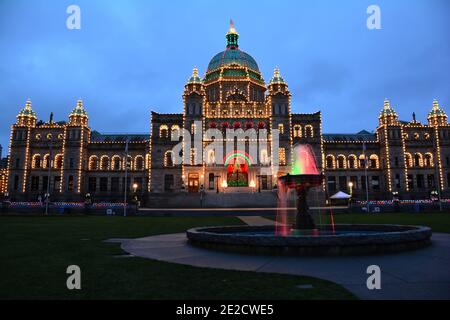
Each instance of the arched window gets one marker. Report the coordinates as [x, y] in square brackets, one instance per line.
[139, 163]
[175, 130]
[116, 163]
[128, 163]
[408, 159]
[429, 159]
[297, 131]
[329, 162]
[352, 163]
[58, 161]
[93, 163]
[362, 161]
[418, 159]
[341, 162]
[36, 162]
[46, 163]
[104, 163]
[168, 159]
[374, 162]
[163, 131]
[309, 131]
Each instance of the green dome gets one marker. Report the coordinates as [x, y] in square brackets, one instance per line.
[232, 56]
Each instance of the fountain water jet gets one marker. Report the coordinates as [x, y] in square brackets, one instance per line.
[305, 176]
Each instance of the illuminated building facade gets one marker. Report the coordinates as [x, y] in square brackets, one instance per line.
[408, 157]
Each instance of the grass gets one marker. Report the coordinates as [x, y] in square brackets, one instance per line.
[35, 252]
[438, 222]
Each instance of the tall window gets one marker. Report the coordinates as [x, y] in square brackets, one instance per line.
[34, 183]
[70, 183]
[36, 163]
[92, 184]
[428, 159]
[331, 182]
[168, 159]
[418, 161]
[139, 163]
[309, 132]
[115, 184]
[297, 131]
[93, 163]
[163, 131]
[104, 163]
[211, 179]
[329, 162]
[103, 184]
[116, 163]
[341, 162]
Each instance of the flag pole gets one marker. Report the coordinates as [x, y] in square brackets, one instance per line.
[125, 182]
[367, 179]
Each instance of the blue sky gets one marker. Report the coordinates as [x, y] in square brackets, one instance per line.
[134, 56]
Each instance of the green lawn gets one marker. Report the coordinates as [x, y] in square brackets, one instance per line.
[35, 252]
[438, 222]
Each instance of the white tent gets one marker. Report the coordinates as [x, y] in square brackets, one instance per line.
[340, 196]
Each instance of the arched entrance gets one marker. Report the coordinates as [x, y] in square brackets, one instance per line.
[237, 165]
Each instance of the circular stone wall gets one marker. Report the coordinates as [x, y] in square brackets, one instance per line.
[350, 240]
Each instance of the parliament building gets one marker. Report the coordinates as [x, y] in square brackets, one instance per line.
[72, 160]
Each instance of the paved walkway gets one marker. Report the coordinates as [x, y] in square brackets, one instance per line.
[256, 221]
[420, 274]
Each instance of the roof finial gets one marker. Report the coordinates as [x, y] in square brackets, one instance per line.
[232, 37]
[232, 29]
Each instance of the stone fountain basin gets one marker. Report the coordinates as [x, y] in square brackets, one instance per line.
[350, 239]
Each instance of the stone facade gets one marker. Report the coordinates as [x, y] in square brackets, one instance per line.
[406, 157]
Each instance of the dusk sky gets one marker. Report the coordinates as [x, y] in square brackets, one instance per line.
[134, 56]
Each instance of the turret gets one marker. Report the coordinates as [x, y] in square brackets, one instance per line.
[78, 116]
[387, 115]
[437, 115]
[27, 117]
[277, 83]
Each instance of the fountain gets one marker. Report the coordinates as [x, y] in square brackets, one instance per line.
[304, 236]
[305, 176]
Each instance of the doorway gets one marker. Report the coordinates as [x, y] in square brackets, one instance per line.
[193, 182]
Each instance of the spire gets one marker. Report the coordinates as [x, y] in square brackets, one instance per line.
[195, 77]
[232, 37]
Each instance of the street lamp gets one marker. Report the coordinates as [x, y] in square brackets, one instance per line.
[135, 186]
[350, 184]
